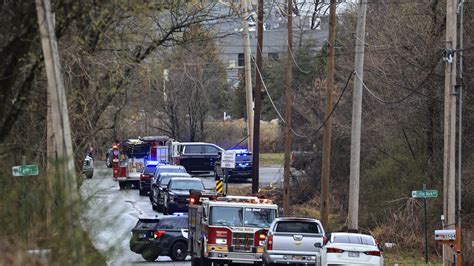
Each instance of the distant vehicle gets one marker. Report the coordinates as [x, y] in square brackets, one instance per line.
[130, 157]
[157, 194]
[351, 249]
[88, 167]
[166, 236]
[293, 241]
[176, 194]
[243, 167]
[108, 158]
[146, 177]
[196, 157]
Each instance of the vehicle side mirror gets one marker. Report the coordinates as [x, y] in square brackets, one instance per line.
[317, 245]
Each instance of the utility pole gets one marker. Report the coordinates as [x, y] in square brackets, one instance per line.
[353, 223]
[258, 99]
[460, 103]
[57, 99]
[248, 74]
[449, 188]
[328, 126]
[288, 107]
[59, 135]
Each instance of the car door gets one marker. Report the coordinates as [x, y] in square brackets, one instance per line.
[197, 159]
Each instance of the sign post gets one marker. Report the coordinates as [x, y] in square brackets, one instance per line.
[227, 162]
[425, 194]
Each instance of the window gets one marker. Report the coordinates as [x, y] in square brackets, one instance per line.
[211, 149]
[241, 60]
[353, 239]
[298, 227]
[186, 185]
[193, 149]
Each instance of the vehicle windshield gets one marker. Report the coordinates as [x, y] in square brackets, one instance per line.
[187, 185]
[171, 170]
[242, 216]
[353, 239]
[149, 169]
[296, 226]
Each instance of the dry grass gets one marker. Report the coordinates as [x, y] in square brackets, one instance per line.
[271, 159]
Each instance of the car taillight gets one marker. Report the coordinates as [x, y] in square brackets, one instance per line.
[259, 237]
[373, 253]
[270, 242]
[334, 250]
[158, 234]
[144, 176]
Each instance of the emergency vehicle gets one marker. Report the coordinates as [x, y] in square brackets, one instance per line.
[130, 157]
[228, 229]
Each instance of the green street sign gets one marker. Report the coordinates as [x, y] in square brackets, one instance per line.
[25, 170]
[424, 194]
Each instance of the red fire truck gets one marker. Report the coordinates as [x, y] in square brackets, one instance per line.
[131, 156]
[228, 229]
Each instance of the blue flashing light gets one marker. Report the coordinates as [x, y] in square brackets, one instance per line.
[178, 213]
[152, 162]
[240, 151]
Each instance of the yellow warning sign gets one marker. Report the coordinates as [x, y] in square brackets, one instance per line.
[219, 186]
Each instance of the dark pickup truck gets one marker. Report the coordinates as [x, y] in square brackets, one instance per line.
[243, 167]
[197, 157]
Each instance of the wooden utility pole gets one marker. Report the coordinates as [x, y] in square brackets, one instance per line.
[59, 136]
[57, 99]
[258, 99]
[248, 74]
[326, 164]
[353, 223]
[449, 188]
[288, 107]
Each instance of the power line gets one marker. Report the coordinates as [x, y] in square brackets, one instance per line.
[380, 99]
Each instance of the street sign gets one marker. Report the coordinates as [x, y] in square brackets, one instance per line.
[445, 235]
[228, 159]
[424, 194]
[25, 170]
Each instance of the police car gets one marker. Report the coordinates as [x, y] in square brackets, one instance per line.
[165, 236]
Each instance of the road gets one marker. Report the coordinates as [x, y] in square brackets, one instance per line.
[111, 213]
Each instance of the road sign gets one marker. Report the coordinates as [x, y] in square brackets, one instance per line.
[445, 235]
[24, 170]
[424, 194]
[228, 159]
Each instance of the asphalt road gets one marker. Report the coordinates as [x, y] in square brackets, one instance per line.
[111, 213]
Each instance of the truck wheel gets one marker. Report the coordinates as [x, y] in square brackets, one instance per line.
[149, 255]
[195, 262]
[178, 251]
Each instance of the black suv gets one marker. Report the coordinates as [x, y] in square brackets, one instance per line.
[156, 195]
[176, 194]
[166, 236]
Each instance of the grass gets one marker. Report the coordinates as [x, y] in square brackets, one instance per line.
[399, 257]
[268, 159]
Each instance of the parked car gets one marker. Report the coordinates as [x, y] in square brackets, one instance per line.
[176, 194]
[243, 167]
[293, 241]
[146, 177]
[166, 236]
[108, 158]
[167, 168]
[197, 157]
[157, 195]
[351, 249]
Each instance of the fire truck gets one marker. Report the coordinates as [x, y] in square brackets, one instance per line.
[228, 229]
[131, 156]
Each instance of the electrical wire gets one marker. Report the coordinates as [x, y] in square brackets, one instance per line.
[296, 64]
[377, 97]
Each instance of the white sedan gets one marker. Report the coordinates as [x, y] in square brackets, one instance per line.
[351, 249]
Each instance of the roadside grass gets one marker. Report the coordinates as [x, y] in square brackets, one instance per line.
[396, 256]
[268, 159]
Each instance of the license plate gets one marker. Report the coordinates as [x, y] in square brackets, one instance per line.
[142, 235]
[297, 258]
[353, 254]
